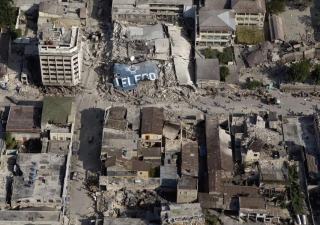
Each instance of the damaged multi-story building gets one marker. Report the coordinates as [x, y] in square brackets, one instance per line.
[59, 46]
[151, 10]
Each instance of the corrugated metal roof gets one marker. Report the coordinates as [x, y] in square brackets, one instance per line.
[188, 183]
[52, 8]
[58, 110]
[276, 28]
[83, 13]
[152, 120]
[252, 203]
[24, 119]
[190, 158]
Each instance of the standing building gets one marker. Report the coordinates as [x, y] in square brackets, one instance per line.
[249, 12]
[24, 122]
[216, 27]
[152, 124]
[58, 118]
[148, 11]
[60, 55]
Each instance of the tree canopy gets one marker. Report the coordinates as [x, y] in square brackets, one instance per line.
[224, 72]
[225, 56]
[276, 6]
[209, 53]
[315, 74]
[8, 13]
[299, 71]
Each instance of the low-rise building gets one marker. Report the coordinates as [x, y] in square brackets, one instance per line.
[190, 159]
[58, 118]
[24, 122]
[152, 119]
[39, 180]
[207, 72]
[216, 27]
[187, 190]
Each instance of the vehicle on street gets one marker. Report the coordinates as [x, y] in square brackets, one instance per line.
[90, 138]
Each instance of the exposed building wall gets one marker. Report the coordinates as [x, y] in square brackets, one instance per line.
[112, 184]
[24, 136]
[210, 38]
[151, 137]
[37, 202]
[186, 195]
[60, 70]
[143, 174]
[251, 156]
[61, 136]
[256, 19]
[49, 15]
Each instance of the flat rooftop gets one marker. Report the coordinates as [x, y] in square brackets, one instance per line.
[26, 217]
[46, 179]
[24, 119]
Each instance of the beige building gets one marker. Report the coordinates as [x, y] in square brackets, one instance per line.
[148, 11]
[207, 72]
[216, 27]
[187, 190]
[253, 152]
[249, 12]
[60, 55]
[58, 118]
[152, 119]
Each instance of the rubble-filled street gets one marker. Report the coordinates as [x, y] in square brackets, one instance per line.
[159, 112]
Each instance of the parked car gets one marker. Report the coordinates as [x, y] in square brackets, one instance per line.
[90, 139]
[12, 99]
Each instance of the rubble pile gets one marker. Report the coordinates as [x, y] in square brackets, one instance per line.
[125, 202]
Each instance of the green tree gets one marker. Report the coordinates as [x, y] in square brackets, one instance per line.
[224, 72]
[317, 17]
[299, 71]
[276, 6]
[8, 137]
[12, 145]
[151, 171]
[315, 74]
[8, 13]
[225, 56]
[253, 84]
[306, 2]
[209, 53]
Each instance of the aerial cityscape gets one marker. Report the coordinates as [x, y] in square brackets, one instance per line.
[147, 112]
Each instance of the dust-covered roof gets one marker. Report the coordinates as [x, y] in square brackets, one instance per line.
[208, 69]
[46, 181]
[188, 183]
[53, 8]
